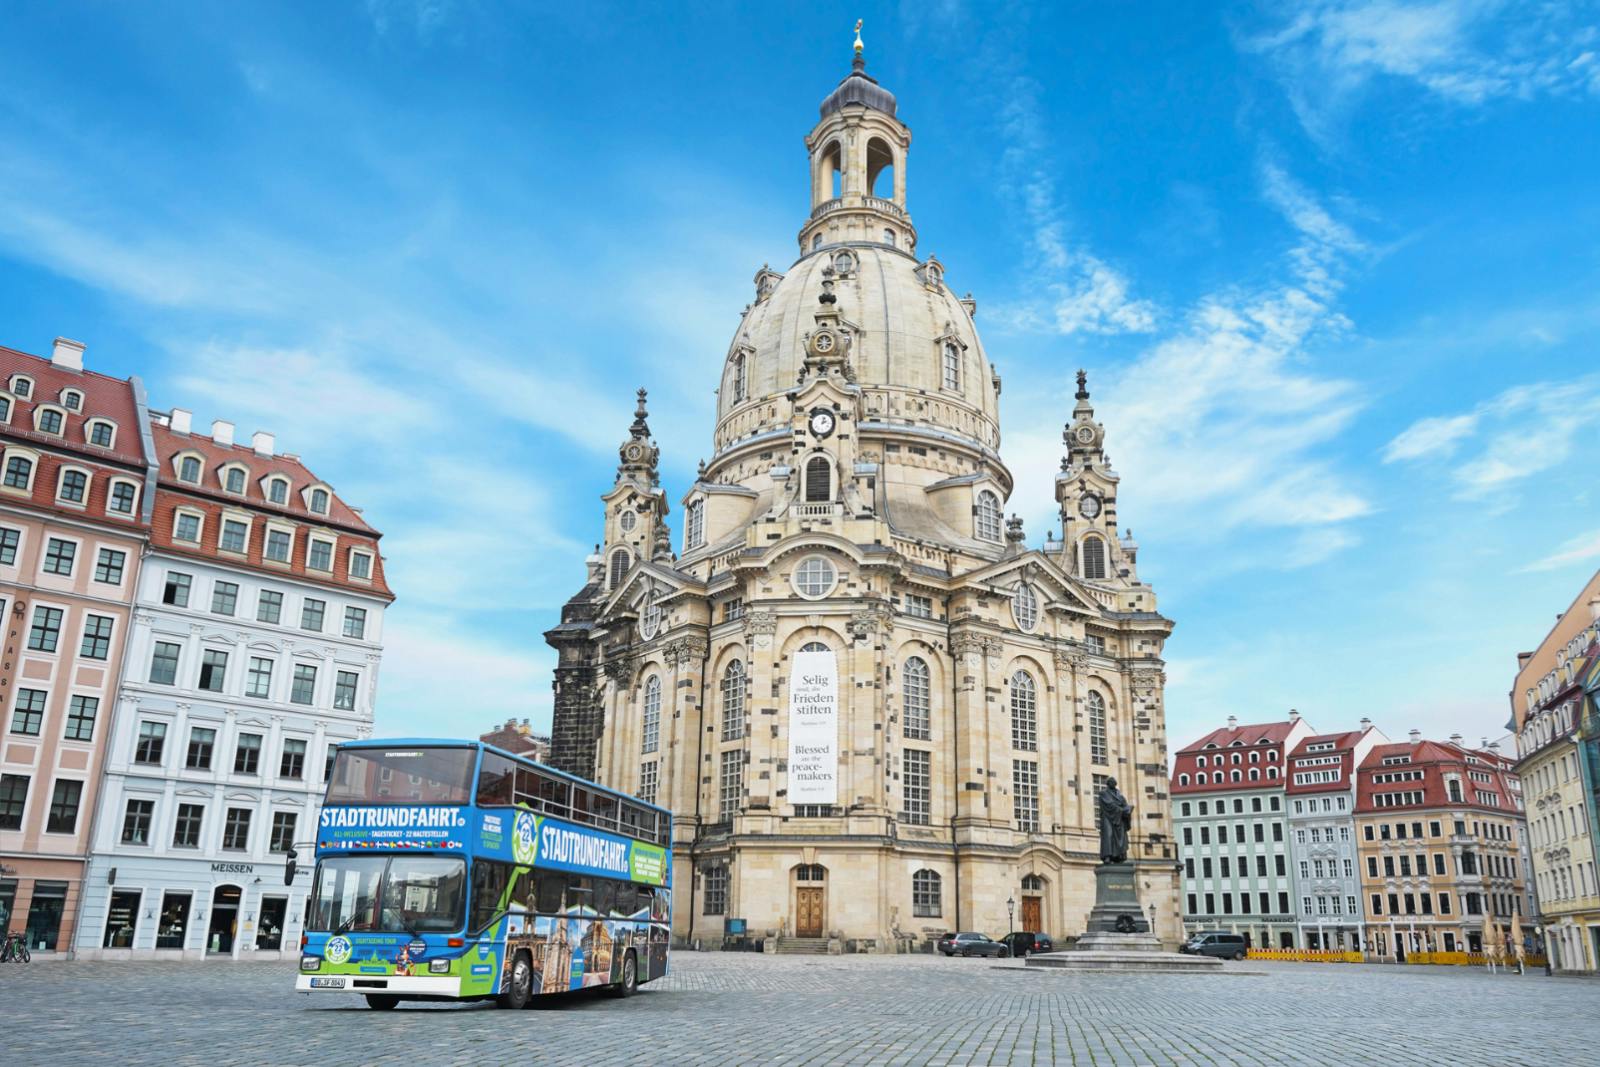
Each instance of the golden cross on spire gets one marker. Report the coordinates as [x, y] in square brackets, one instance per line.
[858, 37]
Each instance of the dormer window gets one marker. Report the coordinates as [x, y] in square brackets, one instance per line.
[360, 565]
[49, 420]
[278, 490]
[5, 409]
[73, 487]
[952, 365]
[22, 386]
[233, 480]
[72, 400]
[740, 378]
[986, 521]
[189, 469]
[101, 433]
[319, 501]
[694, 525]
[844, 263]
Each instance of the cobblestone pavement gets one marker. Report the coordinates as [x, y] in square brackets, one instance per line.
[746, 1008]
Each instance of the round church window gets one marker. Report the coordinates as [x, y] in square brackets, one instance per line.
[627, 521]
[650, 621]
[1025, 607]
[815, 577]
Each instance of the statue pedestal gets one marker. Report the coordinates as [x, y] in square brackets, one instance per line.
[1119, 936]
[1116, 901]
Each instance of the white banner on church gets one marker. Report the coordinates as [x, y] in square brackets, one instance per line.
[814, 729]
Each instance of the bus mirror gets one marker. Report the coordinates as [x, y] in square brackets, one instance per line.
[289, 868]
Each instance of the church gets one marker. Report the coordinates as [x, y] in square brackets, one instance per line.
[875, 712]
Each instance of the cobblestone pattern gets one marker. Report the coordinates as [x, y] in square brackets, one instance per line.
[748, 1008]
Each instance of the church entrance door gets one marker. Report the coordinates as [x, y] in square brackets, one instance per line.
[1032, 915]
[808, 912]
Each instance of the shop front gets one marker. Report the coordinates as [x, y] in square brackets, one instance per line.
[38, 899]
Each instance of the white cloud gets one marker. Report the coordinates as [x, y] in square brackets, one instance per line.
[1430, 437]
[1576, 550]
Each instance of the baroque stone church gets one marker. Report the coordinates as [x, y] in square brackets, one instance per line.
[875, 712]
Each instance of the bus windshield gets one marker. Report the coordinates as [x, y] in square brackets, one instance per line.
[402, 776]
[412, 894]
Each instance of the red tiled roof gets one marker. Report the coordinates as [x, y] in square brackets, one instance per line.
[1257, 737]
[1434, 759]
[1343, 747]
[103, 397]
[1251, 735]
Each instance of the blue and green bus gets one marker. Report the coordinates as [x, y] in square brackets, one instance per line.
[454, 870]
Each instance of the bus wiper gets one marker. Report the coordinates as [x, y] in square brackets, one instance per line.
[347, 924]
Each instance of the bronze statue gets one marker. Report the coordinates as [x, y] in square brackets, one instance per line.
[1116, 818]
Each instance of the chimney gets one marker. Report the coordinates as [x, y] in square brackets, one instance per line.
[68, 354]
[1455, 739]
[1294, 716]
[1416, 736]
[178, 421]
[1366, 724]
[1594, 607]
[1233, 722]
[262, 442]
[222, 432]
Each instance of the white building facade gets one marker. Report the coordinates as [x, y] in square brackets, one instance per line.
[1321, 803]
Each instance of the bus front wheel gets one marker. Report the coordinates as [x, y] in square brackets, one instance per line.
[630, 977]
[519, 984]
[382, 1001]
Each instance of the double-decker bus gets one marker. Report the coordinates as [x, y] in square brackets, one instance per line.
[452, 869]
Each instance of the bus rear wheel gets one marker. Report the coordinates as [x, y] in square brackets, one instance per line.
[630, 977]
[382, 1001]
[519, 984]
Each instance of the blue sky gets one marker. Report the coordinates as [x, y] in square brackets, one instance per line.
[1331, 266]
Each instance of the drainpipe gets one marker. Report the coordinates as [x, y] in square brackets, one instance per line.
[955, 752]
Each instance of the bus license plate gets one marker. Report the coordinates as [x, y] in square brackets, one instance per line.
[327, 983]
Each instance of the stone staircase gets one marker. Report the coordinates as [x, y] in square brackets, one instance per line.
[802, 946]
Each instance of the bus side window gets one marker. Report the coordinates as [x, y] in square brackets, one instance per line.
[646, 897]
[554, 794]
[605, 897]
[580, 804]
[494, 780]
[489, 880]
[549, 888]
[522, 891]
[527, 788]
[604, 808]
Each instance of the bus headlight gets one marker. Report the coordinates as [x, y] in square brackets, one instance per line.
[439, 966]
[311, 963]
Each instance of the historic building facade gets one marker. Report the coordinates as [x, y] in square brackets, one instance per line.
[256, 642]
[1554, 714]
[1229, 788]
[74, 520]
[1320, 797]
[876, 713]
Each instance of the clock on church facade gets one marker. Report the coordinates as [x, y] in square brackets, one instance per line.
[875, 712]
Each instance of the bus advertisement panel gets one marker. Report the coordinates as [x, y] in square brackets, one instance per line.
[461, 900]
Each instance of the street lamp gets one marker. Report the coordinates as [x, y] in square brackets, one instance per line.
[1011, 908]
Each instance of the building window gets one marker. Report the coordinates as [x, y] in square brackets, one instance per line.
[202, 740]
[1097, 728]
[224, 597]
[292, 762]
[269, 606]
[101, 433]
[19, 472]
[234, 534]
[819, 480]
[1025, 795]
[247, 755]
[355, 623]
[81, 713]
[987, 525]
[360, 565]
[914, 699]
[311, 612]
[123, 494]
[176, 591]
[814, 577]
[74, 487]
[919, 607]
[96, 642]
[283, 827]
[278, 491]
[694, 529]
[916, 785]
[952, 365]
[1024, 712]
[319, 557]
[733, 682]
[109, 566]
[64, 801]
[50, 421]
[258, 679]
[9, 541]
[233, 480]
[733, 609]
[213, 670]
[650, 724]
[741, 379]
[619, 566]
[236, 830]
[1025, 607]
[344, 690]
[136, 822]
[13, 800]
[732, 785]
[59, 556]
[186, 830]
[716, 888]
[279, 544]
[305, 684]
[1094, 558]
[164, 663]
[186, 527]
[27, 718]
[319, 501]
[189, 469]
[45, 633]
[926, 895]
[649, 780]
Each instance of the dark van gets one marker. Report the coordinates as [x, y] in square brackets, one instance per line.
[1216, 943]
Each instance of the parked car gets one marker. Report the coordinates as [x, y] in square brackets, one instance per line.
[1026, 942]
[1216, 943]
[972, 944]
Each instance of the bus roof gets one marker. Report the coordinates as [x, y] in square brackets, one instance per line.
[457, 742]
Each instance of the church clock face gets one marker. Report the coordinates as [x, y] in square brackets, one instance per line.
[1089, 506]
[823, 342]
[822, 422]
[634, 453]
[1086, 434]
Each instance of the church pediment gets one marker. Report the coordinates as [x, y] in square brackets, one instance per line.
[1038, 570]
[647, 579]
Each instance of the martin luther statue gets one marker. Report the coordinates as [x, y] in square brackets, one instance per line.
[1116, 817]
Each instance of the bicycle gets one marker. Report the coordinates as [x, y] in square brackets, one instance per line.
[15, 949]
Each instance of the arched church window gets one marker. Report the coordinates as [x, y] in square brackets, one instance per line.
[926, 894]
[694, 525]
[816, 242]
[952, 365]
[844, 263]
[1025, 607]
[740, 382]
[650, 726]
[1024, 712]
[888, 237]
[988, 517]
[619, 566]
[650, 620]
[814, 578]
[1097, 727]
[733, 701]
[813, 646]
[1094, 558]
[914, 698]
[1032, 883]
[819, 480]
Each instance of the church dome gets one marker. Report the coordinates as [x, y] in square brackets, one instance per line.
[859, 88]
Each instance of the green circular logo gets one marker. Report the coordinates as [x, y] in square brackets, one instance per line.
[524, 838]
[338, 950]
